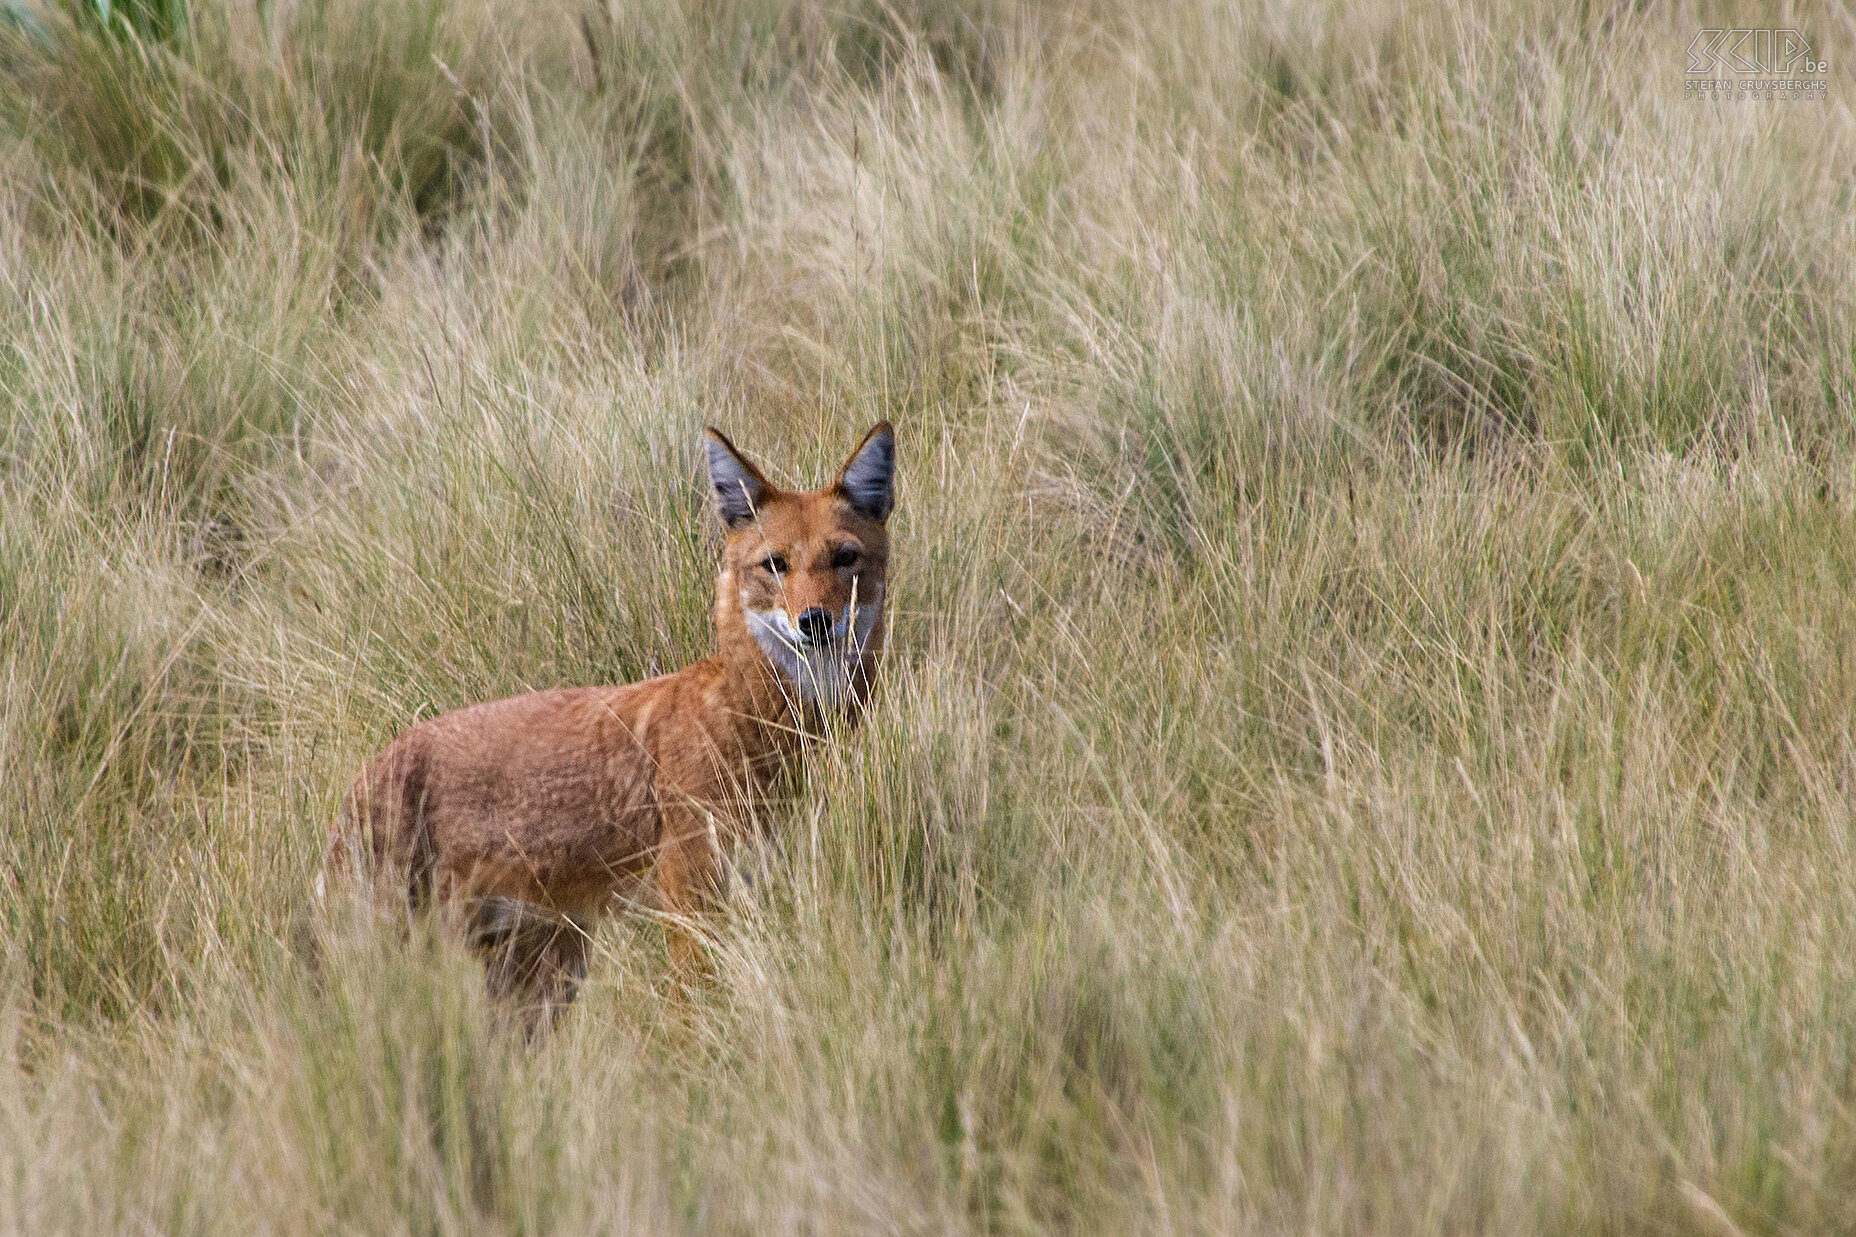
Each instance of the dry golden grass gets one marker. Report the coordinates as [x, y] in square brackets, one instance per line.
[1367, 741]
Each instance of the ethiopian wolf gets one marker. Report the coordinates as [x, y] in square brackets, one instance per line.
[528, 818]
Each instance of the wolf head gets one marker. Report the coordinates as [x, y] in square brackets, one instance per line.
[810, 569]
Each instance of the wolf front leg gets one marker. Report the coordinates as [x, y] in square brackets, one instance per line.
[691, 879]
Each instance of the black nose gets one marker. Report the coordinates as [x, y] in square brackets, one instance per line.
[815, 624]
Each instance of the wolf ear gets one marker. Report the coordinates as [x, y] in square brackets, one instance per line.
[868, 481]
[739, 486]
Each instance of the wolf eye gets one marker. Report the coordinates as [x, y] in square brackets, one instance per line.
[845, 556]
[776, 563]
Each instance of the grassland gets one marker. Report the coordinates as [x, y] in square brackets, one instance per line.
[1367, 743]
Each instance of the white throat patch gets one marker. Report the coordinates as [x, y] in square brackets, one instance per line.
[820, 673]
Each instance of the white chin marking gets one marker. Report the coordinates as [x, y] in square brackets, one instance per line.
[820, 674]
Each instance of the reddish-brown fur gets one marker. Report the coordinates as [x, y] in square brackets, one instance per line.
[533, 815]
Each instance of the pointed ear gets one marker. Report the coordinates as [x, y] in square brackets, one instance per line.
[868, 481]
[739, 486]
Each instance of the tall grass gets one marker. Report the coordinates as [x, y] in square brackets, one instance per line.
[1366, 742]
